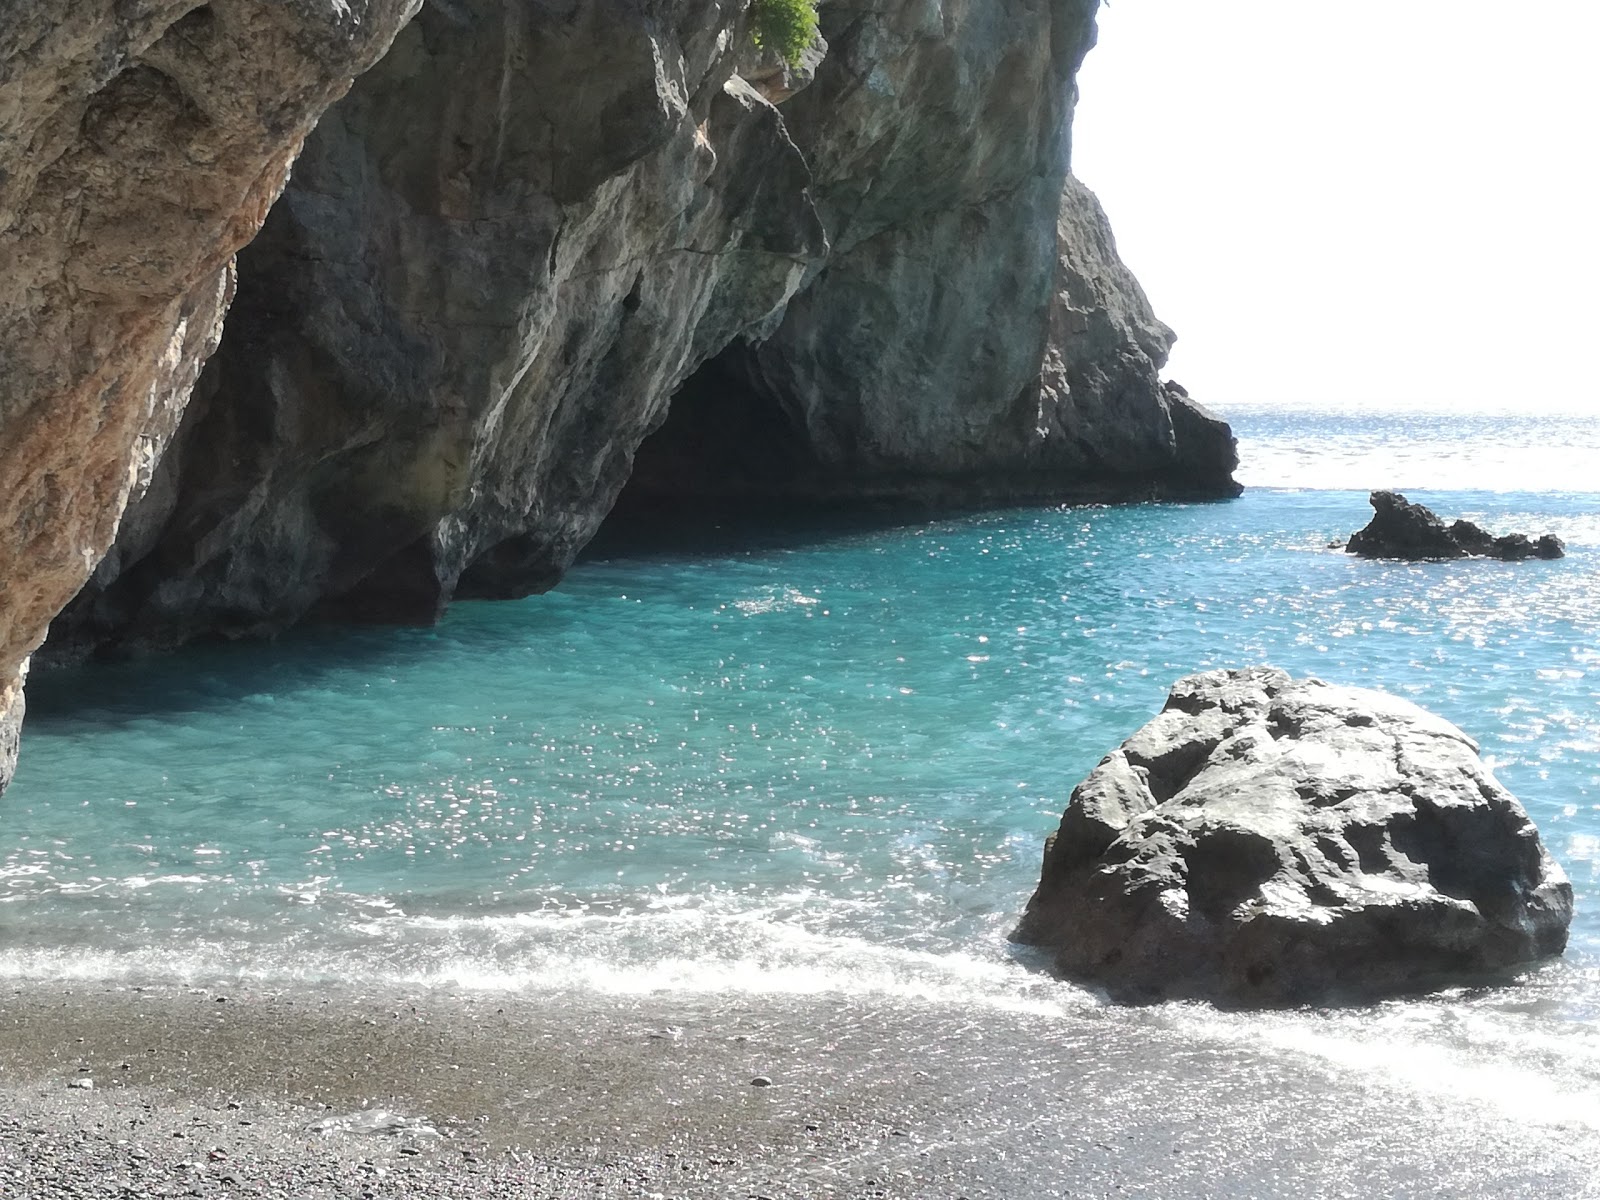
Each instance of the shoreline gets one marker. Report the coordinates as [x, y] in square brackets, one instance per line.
[578, 1094]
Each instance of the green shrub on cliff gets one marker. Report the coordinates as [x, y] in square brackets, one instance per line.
[786, 27]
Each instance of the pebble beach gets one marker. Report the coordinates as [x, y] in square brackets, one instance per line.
[269, 1094]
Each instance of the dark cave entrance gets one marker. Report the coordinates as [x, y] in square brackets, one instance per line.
[738, 465]
[727, 468]
[725, 441]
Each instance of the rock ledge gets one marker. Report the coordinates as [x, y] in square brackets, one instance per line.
[1269, 841]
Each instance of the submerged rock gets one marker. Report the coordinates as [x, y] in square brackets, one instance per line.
[1401, 529]
[1267, 840]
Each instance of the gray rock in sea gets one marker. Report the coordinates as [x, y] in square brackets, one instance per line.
[1401, 529]
[1271, 841]
[1510, 547]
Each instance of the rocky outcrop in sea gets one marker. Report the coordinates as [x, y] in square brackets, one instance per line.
[1267, 841]
[1401, 529]
[528, 237]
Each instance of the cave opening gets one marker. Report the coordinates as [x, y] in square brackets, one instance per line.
[730, 466]
[725, 441]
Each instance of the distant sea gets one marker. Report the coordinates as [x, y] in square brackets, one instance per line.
[823, 764]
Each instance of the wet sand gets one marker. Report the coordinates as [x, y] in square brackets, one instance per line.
[216, 1093]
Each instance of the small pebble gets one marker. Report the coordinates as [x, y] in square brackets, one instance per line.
[761, 1081]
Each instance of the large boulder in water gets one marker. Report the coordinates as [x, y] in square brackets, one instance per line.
[1401, 529]
[1268, 841]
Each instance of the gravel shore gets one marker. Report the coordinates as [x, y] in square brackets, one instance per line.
[309, 1094]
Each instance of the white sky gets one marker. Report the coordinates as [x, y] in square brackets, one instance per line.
[1375, 204]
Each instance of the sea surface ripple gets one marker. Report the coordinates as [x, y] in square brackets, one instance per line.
[822, 763]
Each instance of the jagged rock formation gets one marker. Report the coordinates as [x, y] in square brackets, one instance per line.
[1401, 529]
[1266, 840]
[456, 329]
[522, 236]
[955, 348]
[938, 136]
[496, 261]
[140, 146]
[1104, 413]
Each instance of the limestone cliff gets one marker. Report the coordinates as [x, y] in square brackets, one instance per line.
[1091, 420]
[141, 143]
[939, 137]
[11, 712]
[497, 260]
[911, 367]
[1104, 414]
[530, 235]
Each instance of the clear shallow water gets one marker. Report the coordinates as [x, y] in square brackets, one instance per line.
[822, 767]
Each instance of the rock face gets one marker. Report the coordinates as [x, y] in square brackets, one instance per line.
[1270, 841]
[140, 146]
[12, 703]
[530, 229]
[1104, 416]
[522, 238]
[954, 349]
[496, 261]
[938, 135]
[1401, 529]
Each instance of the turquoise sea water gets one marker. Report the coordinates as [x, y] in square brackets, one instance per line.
[824, 764]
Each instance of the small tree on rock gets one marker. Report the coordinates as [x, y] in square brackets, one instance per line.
[785, 27]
